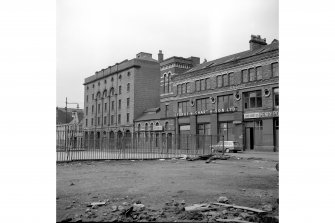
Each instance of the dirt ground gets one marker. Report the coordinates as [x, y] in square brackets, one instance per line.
[244, 181]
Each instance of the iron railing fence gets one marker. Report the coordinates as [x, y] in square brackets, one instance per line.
[72, 145]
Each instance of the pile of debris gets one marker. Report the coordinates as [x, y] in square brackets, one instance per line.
[175, 211]
[210, 157]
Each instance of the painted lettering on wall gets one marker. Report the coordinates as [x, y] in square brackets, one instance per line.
[208, 111]
[267, 114]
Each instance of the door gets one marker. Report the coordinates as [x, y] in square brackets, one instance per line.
[249, 140]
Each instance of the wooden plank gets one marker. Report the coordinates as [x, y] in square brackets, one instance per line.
[241, 207]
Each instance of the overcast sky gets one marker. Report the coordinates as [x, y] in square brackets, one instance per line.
[95, 34]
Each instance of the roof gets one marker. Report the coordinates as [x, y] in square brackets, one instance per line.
[61, 115]
[274, 45]
[150, 114]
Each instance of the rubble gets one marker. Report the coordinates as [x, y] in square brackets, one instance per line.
[223, 199]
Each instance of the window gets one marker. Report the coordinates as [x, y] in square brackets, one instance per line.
[203, 104]
[152, 127]
[166, 110]
[208, 83]
[128, 74]
[87, 87]
[188, 88]
[127, 117]
[92, 109]
[253, 99]
[87, 98]
[112, 79]
[197, 85]
[203, 84]
[259, 73]
[183, 107]
[98, 120]
[179, 89]
[99, 83]
[112, 119]
[274, 70]
[120, 89]
[86, 110]
[245, 77]
[98, 108]
[259, 125]
[226, 131]
[183, 88]
[112, 91]
[93, 85]
[105, 107]
[119, 104]
[91, 121]
[86, 122]
[225, 80]
[166, 126]
[139, 127]
[119, 118]
[105, 120]
[276, 97]
[112, 105]
[105, 81]
[128, 102]
[92, 96]
[225, 102]
[204, 129]
[231, 79]
[120, 77]
[252, 75]
[169, 83]
[128, 87]
[219, 81]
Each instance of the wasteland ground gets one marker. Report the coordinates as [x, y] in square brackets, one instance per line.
[247, 181]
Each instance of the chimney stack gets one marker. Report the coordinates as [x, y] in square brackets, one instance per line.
[256, 42]
[160, 56]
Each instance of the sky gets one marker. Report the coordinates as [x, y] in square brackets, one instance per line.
[94, 34]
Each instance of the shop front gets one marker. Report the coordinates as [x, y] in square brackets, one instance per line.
[261, 131]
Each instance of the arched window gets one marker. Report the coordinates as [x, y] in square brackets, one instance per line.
[164, 81]
[105, 94]
[157, 123]
[98, 95]
[139, 127]
[146, 127]
[111, 93]
[166, 126]
[169, 83]
[151, 126]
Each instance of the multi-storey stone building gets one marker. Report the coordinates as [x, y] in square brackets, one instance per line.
[235, 97]
[117, 95]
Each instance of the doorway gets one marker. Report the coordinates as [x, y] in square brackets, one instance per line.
[249, 139]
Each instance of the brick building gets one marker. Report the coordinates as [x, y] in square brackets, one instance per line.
[235, 97]
[117, 95]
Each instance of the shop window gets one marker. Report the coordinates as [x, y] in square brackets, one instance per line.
[183, 107]
[253, 99]
[275, 70]
[259, 73]
[204, 129]
[276, 97]
[202, 104]
[245, 77]
[219, 81]
[225, 101]
[226, 131]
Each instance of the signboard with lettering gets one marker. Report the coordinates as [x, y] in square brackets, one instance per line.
[158, 128]
[267, 114]
[209, 111]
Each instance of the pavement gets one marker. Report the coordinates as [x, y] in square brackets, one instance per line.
[271, 156]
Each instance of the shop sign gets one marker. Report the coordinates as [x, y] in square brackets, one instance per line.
[268, 114]
[158, 128]
[185, 127]
[209, 111]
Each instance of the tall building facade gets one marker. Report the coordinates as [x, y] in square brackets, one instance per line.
[117, 95]
[235, 97]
